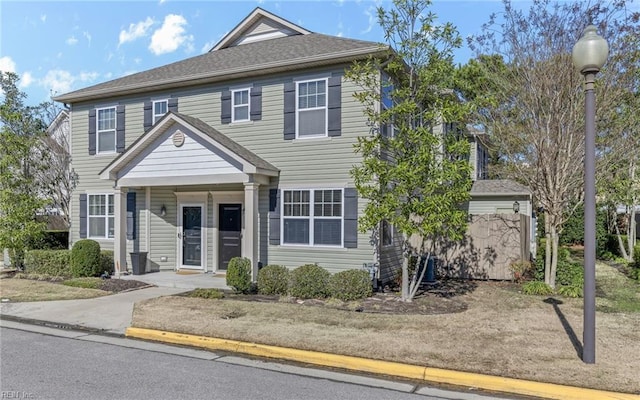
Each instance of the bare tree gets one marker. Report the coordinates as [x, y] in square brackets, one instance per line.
[530, 100]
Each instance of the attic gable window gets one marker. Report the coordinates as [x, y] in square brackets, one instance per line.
[240, 105]
[160, 108]
[106, 130]
[312, 108]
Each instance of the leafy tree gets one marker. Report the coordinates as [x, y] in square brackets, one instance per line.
[20, 133]
[414, 175]
[528, 96]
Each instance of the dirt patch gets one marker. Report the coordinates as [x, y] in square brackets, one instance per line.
[484, 327]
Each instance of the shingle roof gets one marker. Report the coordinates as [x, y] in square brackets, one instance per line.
[488, 187]
[268, 56]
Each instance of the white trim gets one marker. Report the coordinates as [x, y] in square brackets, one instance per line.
[153, 110]
[312, 217]
[105, 217]
[115, 130]
[233, 105]
[325, 79]
[147, 220]
[203, 236]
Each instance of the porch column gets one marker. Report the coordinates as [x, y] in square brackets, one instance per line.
[250, 238]
[120, 234]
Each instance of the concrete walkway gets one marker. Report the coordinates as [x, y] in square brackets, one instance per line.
[112, 313]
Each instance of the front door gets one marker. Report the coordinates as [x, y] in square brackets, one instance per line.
[191, 236]
[230, 233]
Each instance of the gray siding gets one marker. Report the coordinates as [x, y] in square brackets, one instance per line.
[324, 162]
[498, 204]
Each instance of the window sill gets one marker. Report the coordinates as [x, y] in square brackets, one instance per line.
[247, 122]
[315, 138]
[311, 248]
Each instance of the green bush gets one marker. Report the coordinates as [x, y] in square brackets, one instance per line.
[239, 274]
[50, 240]
[273, 279]
[309, 281]
[567, 272]
[85, 259]
[574, 291]
[106, 262]
[536, 288]
[573, 228]
[207, 293]
[86, 283]
[353, 284]
[49, 262]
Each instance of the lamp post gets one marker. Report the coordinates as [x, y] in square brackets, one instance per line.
[589, 55]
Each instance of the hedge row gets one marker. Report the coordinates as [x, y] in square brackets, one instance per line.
[59, 262]
[306, 282]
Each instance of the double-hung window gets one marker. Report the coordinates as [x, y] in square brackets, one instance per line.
[100, 216]
[240, 105]
[312, 108]
[160, 108]
[106, 130]
[387, 129]
[312, 217]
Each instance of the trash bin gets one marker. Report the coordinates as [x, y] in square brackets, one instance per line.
[139, 262]
[430, 274]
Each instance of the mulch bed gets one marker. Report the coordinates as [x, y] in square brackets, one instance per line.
[121, 285]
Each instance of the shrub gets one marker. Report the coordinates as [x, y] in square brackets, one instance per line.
[85, 259]
[536, 288]
[569, 273]
[50, 262]
[207, 293]
[574, 291]
[521, 270]
[353, 284]
[239, 274]
[106, 262]
[86, 283]
[50, 240]
[309, 281]
[273, 279]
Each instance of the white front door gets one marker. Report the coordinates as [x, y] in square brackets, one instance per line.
[191, 240]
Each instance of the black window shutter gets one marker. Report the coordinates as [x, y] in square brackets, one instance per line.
[274, 217]
[148, 115]
[92, 131]
[350, 218]
[334, 106]
[172, 104]
[131, 215]
[225, 113]
[83, 216]
[256, 103]
[120, 129]
[289, 110]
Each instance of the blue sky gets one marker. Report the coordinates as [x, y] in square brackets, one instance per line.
[59, 46]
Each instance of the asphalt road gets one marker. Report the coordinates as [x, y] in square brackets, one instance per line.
[84, 366]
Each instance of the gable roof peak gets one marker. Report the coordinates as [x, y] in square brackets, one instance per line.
[257, 26]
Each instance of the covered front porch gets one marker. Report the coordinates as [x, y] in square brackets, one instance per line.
[188, 197]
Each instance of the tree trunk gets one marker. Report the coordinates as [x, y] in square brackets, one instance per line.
[554, 257]
[547, 257]
[405, 273]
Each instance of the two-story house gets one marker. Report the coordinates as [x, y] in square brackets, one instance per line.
[243, 151]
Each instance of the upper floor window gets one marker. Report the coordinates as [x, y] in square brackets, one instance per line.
[106, 130]
[101, 216]
[387, 129]
[312, 108]
[160, 108]
[240, 105]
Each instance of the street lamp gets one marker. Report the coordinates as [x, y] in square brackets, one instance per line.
[589, 55]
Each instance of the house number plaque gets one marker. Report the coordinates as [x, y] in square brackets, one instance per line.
[178, 139]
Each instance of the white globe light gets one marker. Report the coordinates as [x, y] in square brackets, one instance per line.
[591, 51]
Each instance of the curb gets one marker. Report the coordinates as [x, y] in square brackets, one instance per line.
[422, 373]
[60, 325]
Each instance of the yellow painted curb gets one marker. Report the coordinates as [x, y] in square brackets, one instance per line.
[468, 379]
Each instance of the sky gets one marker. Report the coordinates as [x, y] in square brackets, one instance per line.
[59, 46]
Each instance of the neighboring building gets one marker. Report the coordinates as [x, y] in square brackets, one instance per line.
[243, 151]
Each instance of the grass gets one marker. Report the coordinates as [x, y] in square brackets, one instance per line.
[502, 332]
[87, 283]
[18, 290]
[615, 292]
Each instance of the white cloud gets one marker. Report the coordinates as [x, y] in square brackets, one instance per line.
[170, 36]
[206, 47]
[7, 64]
[59, 81]
[340, 28]
[43, 18]
[26, 80]
[135, 31]
[371, 13]
[87, 36]
[72, 40]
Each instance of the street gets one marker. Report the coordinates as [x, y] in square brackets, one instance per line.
[87, 366]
